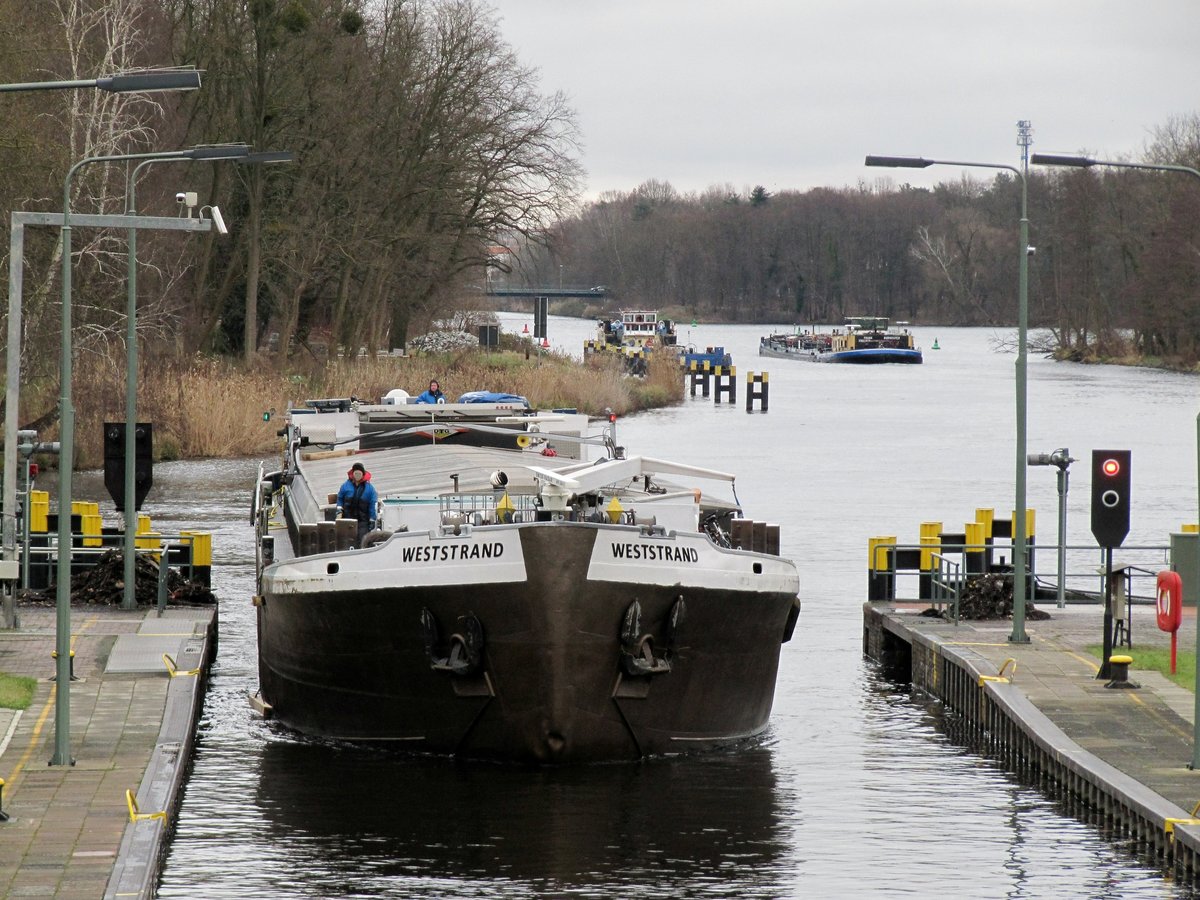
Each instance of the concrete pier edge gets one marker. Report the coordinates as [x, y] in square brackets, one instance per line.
[145, 840]
[1130, 800]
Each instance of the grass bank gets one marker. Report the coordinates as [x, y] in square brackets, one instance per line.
[204, 407]
[16, 691]
[1158, 659]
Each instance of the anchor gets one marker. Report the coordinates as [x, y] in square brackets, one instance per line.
[465, 653]
[637, 649]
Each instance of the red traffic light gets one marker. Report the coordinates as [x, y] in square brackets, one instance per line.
[1111, 467]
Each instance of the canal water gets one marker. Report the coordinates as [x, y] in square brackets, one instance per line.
[854, 790]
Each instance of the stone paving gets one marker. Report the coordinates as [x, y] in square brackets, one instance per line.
[67, 823]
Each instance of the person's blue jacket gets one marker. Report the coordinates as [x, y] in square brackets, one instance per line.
[431, 397]
[357, 501]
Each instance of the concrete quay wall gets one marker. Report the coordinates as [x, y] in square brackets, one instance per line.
[994, 717]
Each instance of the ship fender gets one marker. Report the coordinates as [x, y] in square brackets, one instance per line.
[462, 652]
[637, 647]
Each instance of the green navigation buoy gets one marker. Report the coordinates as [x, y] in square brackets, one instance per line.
[935, 345]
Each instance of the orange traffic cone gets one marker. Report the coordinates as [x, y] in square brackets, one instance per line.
[545, 342]
[525, 330]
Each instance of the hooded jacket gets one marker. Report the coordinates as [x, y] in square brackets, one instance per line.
[357, 501]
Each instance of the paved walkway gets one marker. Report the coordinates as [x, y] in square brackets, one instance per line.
[1145, 733]
[69, 832]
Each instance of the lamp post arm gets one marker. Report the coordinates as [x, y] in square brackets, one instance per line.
[47, 85]
[121, 157]
[1164, 167]
[976, 165]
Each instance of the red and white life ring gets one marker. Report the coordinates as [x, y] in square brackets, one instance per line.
[1170, 601]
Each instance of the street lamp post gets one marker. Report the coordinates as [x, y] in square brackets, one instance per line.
[1020, 567]
[62, 715]
[239, 153]
[1085, 162]
[216, 152]
[149, 81]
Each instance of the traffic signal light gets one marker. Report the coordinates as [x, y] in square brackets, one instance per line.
[1110, 496]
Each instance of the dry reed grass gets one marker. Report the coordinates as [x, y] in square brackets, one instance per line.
[204, 407]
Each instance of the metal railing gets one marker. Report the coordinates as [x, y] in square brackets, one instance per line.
[46, 555]
[946, 584]
[487, 508]
[1083, 578]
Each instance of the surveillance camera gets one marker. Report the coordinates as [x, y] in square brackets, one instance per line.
[219, 221]
[181, 198]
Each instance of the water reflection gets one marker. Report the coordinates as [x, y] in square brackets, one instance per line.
[964, 814]
[670, 826]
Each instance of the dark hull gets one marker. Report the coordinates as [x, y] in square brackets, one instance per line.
[354, 665]
[873, 356]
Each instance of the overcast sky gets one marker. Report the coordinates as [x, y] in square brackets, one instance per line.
[792, 94]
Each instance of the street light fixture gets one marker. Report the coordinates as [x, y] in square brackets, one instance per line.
[148, 82]
[1085, 162]
[1020, 567]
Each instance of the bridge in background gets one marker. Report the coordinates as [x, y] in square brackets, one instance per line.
[547, 292]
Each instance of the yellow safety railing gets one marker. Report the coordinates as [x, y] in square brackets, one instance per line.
[999, 676]
[135, 815]
[173, 671]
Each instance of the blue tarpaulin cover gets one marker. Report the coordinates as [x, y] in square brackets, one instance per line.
[492, 397]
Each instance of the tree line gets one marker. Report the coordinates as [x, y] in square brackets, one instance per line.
[418, 137]
[427, 159]
[1116, 268]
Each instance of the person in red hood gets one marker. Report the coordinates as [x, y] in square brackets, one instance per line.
[357, 499]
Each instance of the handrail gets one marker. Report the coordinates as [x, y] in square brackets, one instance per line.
[947, 574]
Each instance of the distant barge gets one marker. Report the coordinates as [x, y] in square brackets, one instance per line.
[865, 340]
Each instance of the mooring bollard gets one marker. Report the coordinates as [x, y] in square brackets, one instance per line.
[756, 390]
[881, 579]
[70, 663]
[1119, 673]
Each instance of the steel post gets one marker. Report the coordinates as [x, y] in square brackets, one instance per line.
[16, 274]
[1020, 567]
[1063, 476]
[62, 714]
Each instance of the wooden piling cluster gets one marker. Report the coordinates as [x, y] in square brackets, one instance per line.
[721, 381]
[994, 719]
